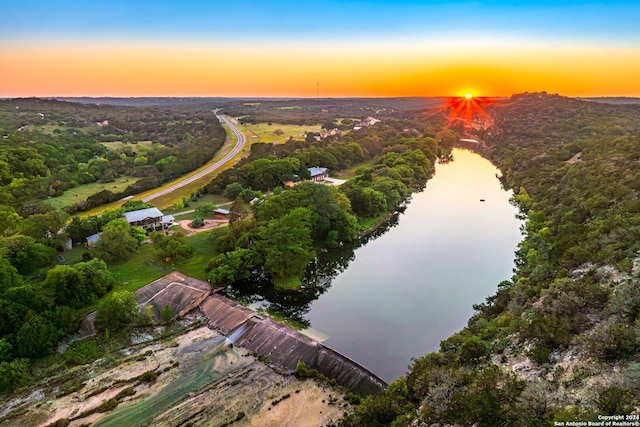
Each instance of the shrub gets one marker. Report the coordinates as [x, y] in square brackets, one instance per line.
[615, 401]
[167, 314]
[129, 391]
[148, 377]
[117, 311]
[82, 352]
[107, 405]
[197, 222]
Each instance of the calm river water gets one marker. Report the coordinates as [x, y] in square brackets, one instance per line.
[397, 296]
[415, 285]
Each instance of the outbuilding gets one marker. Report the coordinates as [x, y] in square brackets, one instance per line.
[318, 174]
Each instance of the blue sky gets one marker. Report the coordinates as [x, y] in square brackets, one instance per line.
[309, 20]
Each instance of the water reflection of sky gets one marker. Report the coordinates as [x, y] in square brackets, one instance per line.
[415, 285]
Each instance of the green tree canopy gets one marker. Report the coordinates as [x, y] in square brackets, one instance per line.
[25, 254]
[174, 246]
[286, 246]
[232, 266]
[116, 241]
[46, 225]
[9, 220]
[80, 284]
[9, 276]
[35, 338]
[116, 311]
[329, 210]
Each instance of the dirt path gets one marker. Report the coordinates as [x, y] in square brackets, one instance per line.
[208, 225]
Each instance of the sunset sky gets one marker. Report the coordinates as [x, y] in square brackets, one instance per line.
[284, 48]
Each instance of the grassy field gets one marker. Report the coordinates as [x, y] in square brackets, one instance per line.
[367, 223]
[263, 132]
[75, 255]
[145, 266]
[76, 194]
[196, 265]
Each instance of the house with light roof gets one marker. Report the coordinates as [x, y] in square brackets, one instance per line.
[318, 174]
[150, 219]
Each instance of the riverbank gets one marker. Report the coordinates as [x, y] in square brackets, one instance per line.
[382, 223]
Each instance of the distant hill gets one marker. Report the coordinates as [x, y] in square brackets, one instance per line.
[399, 103]
[614, 100]
[143, 102]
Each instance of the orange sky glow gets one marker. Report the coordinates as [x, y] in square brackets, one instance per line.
[486, 68]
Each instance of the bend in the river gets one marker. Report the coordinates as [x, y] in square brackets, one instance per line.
[397, 296]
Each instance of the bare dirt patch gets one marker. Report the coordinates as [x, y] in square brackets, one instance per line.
[577, 158]
[307, 406]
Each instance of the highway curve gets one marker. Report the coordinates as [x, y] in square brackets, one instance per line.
[188, 180]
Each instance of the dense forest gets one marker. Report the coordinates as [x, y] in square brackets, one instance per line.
[311, 111]
[560, 341]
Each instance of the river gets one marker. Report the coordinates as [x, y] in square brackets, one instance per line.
[397, 296]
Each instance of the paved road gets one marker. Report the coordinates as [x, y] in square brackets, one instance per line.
[230, 155]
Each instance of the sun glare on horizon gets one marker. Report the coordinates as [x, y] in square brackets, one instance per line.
[466, 111]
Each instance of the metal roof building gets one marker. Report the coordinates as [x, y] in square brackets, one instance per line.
[142, 214]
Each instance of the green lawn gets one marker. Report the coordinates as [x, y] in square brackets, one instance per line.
[145, 266]
[191, 216]
[75, 255]
[80, 193]
[195, 266]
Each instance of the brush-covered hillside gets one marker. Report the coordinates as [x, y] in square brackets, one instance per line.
[561, 340]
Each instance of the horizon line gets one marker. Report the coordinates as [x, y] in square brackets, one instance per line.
[53, 97]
